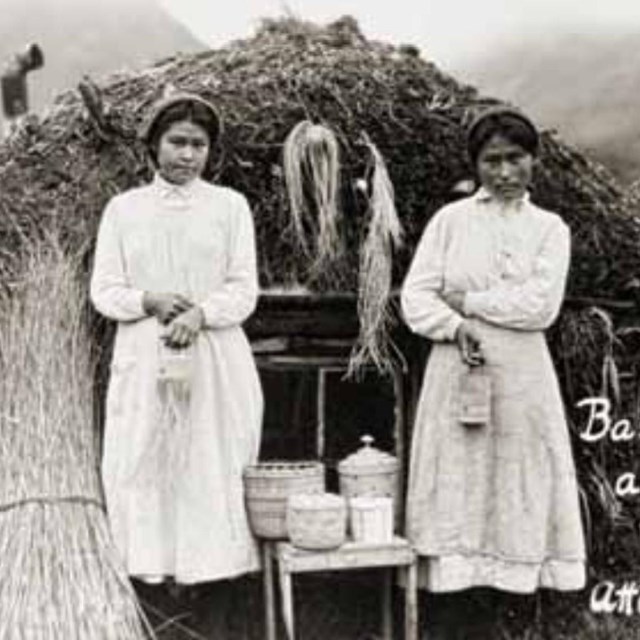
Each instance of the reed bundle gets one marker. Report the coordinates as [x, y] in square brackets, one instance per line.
[375, 275]
[60, 576]
[168, 446]
[311, 168]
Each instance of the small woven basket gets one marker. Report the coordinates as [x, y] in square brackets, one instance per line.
[267, 487]
[317, 521]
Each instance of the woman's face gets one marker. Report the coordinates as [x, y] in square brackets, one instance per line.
[182, 154]
[504, 168]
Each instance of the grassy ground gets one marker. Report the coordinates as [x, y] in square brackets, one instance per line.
[325, 608]
[348, 608]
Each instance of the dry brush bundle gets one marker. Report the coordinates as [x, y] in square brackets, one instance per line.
[311, 159]
[167, 447]
[60, 576]
[375, 275]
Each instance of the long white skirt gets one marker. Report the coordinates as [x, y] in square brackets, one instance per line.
[174, 495]
[495, 505]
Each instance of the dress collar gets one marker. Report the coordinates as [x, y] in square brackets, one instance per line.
[174, 192]
[484, 196]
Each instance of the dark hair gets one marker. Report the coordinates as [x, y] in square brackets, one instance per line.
[509, 123]
[190, 111]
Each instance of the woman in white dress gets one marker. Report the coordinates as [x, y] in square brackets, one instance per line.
[175, 266]
[496, 505]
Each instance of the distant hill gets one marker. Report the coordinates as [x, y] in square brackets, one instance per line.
[88, 36]
[585, 85]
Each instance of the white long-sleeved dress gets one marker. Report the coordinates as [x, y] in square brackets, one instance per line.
[495, 505]
[185, 515]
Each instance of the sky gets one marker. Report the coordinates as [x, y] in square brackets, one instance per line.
[447, 31]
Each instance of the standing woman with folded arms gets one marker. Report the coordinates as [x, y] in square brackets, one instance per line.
[175, 266]
[492, 505]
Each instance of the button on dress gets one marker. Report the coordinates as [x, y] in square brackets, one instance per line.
[174, 495]
[493, 505]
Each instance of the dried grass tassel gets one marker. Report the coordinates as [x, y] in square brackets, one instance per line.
[166, 454]
[311, 168]
[384, 234]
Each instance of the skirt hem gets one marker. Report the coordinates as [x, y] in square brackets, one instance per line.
[458, 572]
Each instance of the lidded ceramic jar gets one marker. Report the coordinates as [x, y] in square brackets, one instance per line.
[369, 472]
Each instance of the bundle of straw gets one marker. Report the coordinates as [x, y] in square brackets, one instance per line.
[311, 169]
[168, 445]
[60, 576]
[375, 272]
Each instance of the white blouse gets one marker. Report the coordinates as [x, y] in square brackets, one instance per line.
[511, 261]
[197, 240]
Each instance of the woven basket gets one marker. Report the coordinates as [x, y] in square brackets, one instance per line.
[317, 521]
[267, 487]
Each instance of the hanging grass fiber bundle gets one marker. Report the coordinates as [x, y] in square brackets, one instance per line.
[60, 576]
[376, 256]
[311, 168]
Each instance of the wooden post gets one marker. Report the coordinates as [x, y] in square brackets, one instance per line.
[320, 408]
[411, 603]
[387, 604]
[269, 599]
[286, 589]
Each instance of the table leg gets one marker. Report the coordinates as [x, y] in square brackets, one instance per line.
[411, 603]
[387, 604]
[269, 599]
[286, 589]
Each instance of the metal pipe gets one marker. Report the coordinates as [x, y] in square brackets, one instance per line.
[13, 81]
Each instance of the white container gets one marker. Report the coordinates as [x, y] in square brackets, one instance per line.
[174, 365]
[369, 472]
[317, 521]
[371, 519]
[474, 396]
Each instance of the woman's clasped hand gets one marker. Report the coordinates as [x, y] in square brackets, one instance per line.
[469, 344]
[165, 306]
[182, 318]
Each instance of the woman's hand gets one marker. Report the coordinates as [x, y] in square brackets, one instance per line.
[183, 330]
[455, 299]
[165, 306]
[469, 344]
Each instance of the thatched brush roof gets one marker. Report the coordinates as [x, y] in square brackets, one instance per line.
[66, 166]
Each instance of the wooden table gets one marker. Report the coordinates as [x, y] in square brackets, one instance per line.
[352, 555]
